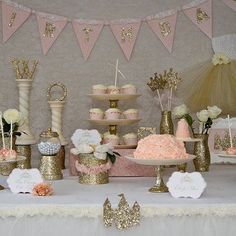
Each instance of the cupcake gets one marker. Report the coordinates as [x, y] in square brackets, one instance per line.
[99, 89]
[131, 114]
[112, 139]
[112, 89]
[130, 139]
[128, 89]
[96, 114]
[112, 114]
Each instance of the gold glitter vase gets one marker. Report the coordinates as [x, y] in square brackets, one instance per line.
[89, 160]
[24, 150]
[202, 153]
[166, 124]
[6, 168]
[50, 168]
[61, 156]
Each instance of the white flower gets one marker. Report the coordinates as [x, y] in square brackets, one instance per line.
[214, 111]
[101, 156]
[102, 148]
[219, 59]
[203, 115]
[84, 148]
[12, 115]
[180, 111]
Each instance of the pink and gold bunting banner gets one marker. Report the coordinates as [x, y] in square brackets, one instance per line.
[126, 32]
[163, 25]
[230, 3]
[87, 33]
[50, 26]
[13, 16]
[200, 13]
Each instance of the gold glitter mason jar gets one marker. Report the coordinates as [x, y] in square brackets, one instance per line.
[88, 161]
[166, 124]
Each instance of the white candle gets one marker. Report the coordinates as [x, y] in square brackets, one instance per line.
[230, 133]
[11, 137]
[2, 132]
[117, 63]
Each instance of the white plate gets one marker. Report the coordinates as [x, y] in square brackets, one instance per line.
[156, 162]
[226, 155]
[19, 158]
[114, 122]
[114, 96]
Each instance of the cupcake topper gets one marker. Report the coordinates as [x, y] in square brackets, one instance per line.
[230, 133]
[117, 71]
[11, 136]
[117, 64]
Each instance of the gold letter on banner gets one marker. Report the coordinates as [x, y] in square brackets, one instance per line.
[126, 33]
[86, 32]
[201, 15]
[165, 28]
[12, 19]
[49, 30]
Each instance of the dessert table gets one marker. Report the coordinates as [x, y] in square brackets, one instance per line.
[76, 209]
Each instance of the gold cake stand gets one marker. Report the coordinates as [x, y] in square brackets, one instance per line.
[19, 159]
[160, 186]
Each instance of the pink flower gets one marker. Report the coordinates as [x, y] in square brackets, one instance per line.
[42, 189]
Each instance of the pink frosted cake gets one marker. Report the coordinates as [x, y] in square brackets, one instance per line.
[162, 146]
[182, 130]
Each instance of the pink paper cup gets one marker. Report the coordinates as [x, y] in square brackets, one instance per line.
[96, 116]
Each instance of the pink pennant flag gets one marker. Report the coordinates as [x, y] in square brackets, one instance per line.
[126, 32]
[13, 16]
[87, 33]
[163, 25]
[230, 3]
[200, 13]
[50, 26]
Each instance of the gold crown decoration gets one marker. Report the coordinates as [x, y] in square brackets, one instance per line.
[124, 217]
[169, 79]
[22, 70]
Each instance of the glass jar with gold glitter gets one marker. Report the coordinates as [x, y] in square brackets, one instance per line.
[49, 146]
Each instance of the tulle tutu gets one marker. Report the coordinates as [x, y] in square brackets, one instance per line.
[207, 85]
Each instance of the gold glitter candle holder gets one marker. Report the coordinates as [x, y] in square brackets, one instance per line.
[50, 168]
[24, 150]
[89, 161]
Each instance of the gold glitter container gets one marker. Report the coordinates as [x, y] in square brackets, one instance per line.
[24, 150]
[202, 153]
[88, 160]
[49, 147]
[166, 124]
[6, 168]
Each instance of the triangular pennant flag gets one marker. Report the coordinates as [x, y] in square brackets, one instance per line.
[164, 28]
[126, 34]
[200, 13]
[87, 33]
[230, 3]
[50, 26]
[13, 16]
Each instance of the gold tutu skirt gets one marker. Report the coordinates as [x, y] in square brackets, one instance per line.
[208, 85]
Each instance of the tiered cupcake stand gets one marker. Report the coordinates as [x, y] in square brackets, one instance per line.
[113, 124]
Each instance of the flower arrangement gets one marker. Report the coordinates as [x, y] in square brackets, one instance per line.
[220, 59]
[205, 117]
[169, 80]
[42, 189]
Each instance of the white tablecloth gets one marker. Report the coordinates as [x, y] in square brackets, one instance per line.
[77, 209]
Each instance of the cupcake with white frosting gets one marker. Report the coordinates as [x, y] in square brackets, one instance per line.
[99, 89]
[130, 139]
[112, 139]
[112, 89]
[131, 114]
[96, 114]
[128, 89]
[112, 114]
